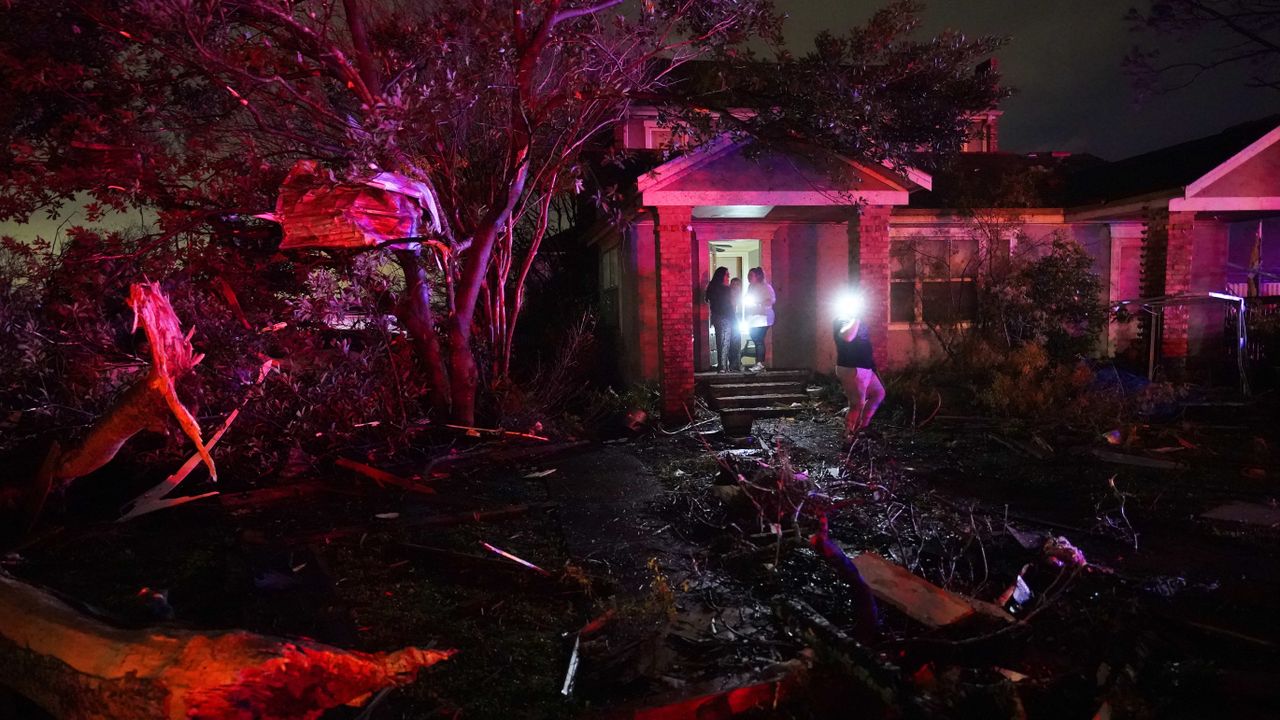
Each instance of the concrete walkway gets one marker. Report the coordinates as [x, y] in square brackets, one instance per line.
[604, 496]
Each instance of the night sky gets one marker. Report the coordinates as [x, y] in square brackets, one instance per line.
[1064, 58]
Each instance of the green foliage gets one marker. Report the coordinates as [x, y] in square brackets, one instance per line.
[1024, 383]
[67, 349]
[1053, 300]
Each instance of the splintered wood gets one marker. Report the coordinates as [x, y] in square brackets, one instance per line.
[145, 405]
[78, 667]
[923, 601]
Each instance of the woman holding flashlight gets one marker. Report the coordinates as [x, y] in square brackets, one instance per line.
[856, 365]
[760, 316]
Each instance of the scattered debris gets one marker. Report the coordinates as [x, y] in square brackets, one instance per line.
[146, 405]
[863, 597]
[514, 558]
[477, 432]
[1017, 594]
[727, 697]
[1060, 552]
[78, 666]
[383, 478]
[572, 672]
[1136, 460]
[1248, 513]
[918, 598]
[1022, 448]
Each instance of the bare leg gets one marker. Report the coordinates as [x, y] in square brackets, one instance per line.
[874, 396]
[856, 394]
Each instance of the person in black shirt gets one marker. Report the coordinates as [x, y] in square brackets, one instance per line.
[856, 369]
[722, 319]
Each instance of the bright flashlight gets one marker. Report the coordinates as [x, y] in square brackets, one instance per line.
[850, 305]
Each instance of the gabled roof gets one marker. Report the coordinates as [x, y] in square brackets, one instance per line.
[1173, 169]
[1001, 179]
[735, 172]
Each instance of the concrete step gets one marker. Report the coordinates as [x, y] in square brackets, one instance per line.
[764, 388]
[712, 379]
[758, 401]
[759, 412]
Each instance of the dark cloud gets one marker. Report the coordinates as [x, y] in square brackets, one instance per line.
[1065, 59]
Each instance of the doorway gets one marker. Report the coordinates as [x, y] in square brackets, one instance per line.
[739, 256]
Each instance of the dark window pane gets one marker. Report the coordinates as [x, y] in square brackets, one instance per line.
[902, 262]
[902, 302]
[609, 308]
[949, 301]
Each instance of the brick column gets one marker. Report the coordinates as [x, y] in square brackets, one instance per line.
[1177, 279]
[869, 269]
[673, 234]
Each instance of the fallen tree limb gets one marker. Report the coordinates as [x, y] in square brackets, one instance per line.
[154, 499]
[145, 405]
[382, 477]
[77, 667]
[863, 599]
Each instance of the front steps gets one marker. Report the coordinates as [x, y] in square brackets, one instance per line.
[741, 397]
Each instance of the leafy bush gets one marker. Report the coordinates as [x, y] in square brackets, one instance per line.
[1053, 301]
[346, 379]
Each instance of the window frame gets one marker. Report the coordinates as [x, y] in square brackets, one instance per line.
[918, 279]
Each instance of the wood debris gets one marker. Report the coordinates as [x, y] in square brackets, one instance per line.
[75, 666]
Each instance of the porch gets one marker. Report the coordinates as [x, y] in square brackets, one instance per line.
[814, 227]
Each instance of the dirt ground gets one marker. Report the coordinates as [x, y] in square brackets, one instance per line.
[672, 581]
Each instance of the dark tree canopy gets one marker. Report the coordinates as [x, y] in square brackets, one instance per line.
[1185, 39]
[196, 110]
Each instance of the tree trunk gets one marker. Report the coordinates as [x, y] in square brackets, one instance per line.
[414, 311]
[463, 373]
[79, 668]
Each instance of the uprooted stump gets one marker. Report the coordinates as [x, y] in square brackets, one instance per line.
[77, 667]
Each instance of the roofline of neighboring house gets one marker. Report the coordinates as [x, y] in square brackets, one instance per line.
[907, 215]
[1235, 161]
[1124, 206]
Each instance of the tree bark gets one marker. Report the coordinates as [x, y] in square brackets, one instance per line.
[414, 311]
[462, 373]
[79, 668]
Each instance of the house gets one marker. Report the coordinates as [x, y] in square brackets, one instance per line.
[1177, 220]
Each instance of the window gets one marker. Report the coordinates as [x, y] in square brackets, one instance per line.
[609, 269]
[609, 281]
[931, 279]
[659, 137]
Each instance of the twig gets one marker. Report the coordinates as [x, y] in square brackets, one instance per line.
[492, 431]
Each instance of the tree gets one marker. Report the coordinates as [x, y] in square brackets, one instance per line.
[197, 108]
[1247, 34]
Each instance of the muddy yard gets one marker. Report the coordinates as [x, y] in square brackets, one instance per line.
[1011, 573]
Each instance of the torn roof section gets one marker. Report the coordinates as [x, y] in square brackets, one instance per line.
[318, 210]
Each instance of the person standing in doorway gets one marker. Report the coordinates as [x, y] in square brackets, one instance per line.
[718, 297]
[760, 301]
[735, 327]
[856, 367]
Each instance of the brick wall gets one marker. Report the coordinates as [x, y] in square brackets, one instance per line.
[674, 237]
[1177, 279]
[869, 268]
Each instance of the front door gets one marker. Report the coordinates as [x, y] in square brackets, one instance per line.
[739, 256]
